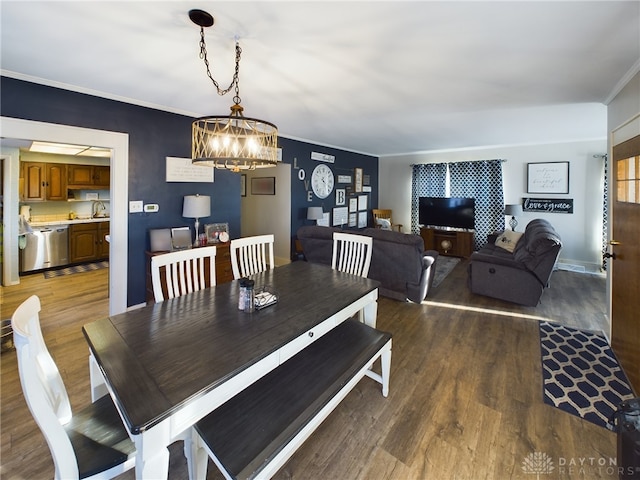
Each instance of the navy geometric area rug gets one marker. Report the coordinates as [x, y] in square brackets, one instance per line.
[581, 373]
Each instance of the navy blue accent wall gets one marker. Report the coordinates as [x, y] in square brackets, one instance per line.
[298, 154]
[155, 135]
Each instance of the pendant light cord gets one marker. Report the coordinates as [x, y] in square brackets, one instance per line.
[234, 81]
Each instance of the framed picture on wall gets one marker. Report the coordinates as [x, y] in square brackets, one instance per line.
[362, 202]
[362, 219]
[353, 204]
[341, 196]
[243, 185]
[340, 216]
[358, 178]
[551, 177]
[263, 186]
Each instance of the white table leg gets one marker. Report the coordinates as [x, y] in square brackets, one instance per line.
[152, 454]
[98, 384]
[385, 361]
[369, 314]
[199, 457]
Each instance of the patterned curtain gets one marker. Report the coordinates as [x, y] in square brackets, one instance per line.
[605, 211]
[481, 180]
[428, 180]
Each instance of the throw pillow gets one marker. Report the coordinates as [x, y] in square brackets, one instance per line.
[384, 223]
[508, 240]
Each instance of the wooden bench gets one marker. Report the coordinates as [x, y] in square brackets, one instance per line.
[258, 430]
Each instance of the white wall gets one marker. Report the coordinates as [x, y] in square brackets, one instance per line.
[264, 214]
[581, 232]
[624, 108]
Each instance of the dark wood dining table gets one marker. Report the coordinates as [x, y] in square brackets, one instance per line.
[167, 365]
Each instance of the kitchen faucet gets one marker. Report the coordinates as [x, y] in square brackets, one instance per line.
[98, 209]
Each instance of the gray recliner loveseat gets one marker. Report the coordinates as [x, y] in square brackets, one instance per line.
[520, 276]
[398, 261]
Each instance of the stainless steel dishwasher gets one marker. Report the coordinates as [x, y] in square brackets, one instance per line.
[46, 247]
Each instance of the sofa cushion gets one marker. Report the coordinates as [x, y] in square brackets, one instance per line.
[508, 240]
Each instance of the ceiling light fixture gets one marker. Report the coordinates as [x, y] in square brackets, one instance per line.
[66, 149]
[234, 141]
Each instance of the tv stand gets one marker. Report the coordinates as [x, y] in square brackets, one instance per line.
[448, 241]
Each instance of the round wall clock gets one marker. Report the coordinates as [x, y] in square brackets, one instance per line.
[322, 181]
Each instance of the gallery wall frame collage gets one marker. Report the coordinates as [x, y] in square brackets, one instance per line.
[351, 202]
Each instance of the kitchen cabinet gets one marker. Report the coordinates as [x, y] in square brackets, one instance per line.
[103, 245]
[43, 181]
[102, 176]
[88, 176]
[87, 242]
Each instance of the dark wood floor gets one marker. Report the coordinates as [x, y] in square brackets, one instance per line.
[465, 398]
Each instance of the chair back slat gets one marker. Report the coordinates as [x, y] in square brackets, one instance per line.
[352, 253]
[184, 272]
[251, 255]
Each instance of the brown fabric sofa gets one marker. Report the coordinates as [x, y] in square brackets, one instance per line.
[398, 261]
[521, 276]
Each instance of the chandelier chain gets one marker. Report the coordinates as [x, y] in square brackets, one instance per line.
[234, 81]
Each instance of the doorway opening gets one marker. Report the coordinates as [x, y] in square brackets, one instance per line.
[118, 143]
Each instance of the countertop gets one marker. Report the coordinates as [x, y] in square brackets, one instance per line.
[76, 221]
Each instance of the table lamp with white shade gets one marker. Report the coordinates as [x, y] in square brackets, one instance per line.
[314, 213]
[196, 206]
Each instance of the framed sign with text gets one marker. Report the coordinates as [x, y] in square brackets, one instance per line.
[552, 177]
[549, 205]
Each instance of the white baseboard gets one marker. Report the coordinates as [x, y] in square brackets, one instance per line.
[579, 267]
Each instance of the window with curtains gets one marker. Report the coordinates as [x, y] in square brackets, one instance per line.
[480, 179]
[428, 180]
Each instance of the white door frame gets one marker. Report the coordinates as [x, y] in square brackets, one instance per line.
[119, 190]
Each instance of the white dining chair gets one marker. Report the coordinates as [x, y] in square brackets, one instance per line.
[250, 255]
[352, 253]
[92, 443]
[185, 271]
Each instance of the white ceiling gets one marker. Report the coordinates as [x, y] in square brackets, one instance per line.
[375, 77]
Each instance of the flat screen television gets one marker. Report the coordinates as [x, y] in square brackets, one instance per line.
[451, 212]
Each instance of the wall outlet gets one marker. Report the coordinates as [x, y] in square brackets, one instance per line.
[135, 206]
[151, 207]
